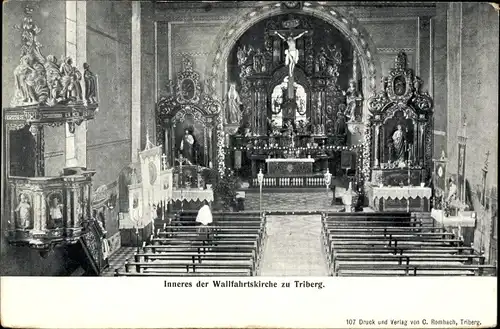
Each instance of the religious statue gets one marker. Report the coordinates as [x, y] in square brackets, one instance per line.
[241, 55]
[30, 82]
[417, 84]
[301, 127]
[233, 104]
[53, 79]
[292, 53]
[56, 213]
[320, 64]
[330, 127]
[398, 145]
[258, 62]
[452, 190]
[399, 87]
[24, 211]
[24, 90]
[331, 71]
[339, 127]
[90, 84]
[71, 81]
[452, 203]
[187, 147]
[352, 96]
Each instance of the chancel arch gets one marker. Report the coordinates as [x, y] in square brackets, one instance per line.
[217, 69]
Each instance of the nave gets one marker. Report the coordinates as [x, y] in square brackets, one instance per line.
[285, 109]
[327, 244]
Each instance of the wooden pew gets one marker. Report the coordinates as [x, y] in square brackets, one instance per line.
[370, 259]
[214, 229]
[412, 269]
[194, 256]
[179, 274]
[232, 238]
[404, 249]
[147, 267]
[383, 228]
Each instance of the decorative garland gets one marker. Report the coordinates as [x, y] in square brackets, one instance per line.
[221, 153]
[352, 148]
[366, 152]
[359, 170]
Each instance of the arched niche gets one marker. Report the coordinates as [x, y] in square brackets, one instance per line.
[302, 85]
[327, 62]
[347, 25]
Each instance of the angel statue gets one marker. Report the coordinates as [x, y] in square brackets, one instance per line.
[292, 53]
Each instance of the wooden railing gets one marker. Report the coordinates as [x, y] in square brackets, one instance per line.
[289, 182]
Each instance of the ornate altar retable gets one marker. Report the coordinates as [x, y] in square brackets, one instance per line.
[290, 167]
[400, 135]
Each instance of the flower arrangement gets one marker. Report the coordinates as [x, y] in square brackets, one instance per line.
[225, 190]
[367, 152]
[221, 154]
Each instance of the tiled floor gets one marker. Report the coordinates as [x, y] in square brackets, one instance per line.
[293, 247]
[307, 201]
[117, 260]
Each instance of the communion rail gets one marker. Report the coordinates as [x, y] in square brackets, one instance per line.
[304, 181]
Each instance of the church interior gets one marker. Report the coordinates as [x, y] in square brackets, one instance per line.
[326, 138]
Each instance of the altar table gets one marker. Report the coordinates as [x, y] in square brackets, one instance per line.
[392, 198]
[193, 194]
[289, 167]
[191, 198]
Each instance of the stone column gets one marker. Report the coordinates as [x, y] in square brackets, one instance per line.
[376, 145]
[136, 81]
[76, 48]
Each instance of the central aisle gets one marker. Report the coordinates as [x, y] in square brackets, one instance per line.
[293, 247]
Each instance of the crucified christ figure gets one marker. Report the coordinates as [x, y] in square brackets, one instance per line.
[292, 54]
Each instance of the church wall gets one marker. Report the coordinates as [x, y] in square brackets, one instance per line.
[176, 38]
[473, 91]
[108, 53]
[392, 35]
[194, 32]
[479, 93]
[440, 86]
[50, 17]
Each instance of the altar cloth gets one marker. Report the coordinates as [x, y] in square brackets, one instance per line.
[289, 167]
[191, 194]
[392, 198]
[398, 193]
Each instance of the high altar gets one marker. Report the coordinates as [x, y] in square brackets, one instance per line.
[291, 97]
[400, 135]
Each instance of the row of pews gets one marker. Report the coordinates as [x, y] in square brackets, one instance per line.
[232, 246]
[396, 244]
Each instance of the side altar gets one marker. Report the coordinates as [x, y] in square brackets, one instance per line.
[189, 126]
[400, 135]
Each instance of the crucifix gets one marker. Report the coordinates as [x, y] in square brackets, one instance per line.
[291, 54]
